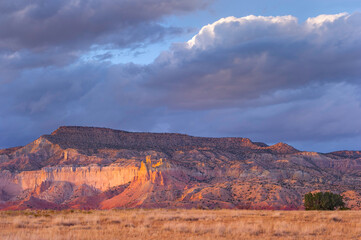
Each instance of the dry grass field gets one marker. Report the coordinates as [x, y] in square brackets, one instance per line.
[180, 224]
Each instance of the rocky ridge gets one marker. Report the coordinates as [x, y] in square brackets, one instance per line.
[86, 168]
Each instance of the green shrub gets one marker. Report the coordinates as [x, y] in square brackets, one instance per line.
[323, 201]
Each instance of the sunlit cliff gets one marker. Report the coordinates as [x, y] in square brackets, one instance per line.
[81, 167]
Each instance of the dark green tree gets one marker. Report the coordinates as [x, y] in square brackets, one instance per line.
[323, 201]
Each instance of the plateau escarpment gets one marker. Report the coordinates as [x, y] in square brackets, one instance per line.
[84, 167]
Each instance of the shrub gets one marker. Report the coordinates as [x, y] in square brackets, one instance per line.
[323, 201]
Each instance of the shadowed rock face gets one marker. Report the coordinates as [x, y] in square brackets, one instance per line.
[84, 167]
[88, 138]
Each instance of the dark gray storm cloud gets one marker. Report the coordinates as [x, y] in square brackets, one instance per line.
[268, 78]
[41, 24]
[43, 33]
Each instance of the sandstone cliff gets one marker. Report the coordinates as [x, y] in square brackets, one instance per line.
[81, 167]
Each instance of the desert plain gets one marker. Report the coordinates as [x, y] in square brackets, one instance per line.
[179, 224]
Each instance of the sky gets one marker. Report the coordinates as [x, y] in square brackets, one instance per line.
[270, 70]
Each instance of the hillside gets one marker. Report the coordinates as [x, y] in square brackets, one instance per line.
[86, 168]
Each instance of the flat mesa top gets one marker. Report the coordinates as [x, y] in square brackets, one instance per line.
[99, 138]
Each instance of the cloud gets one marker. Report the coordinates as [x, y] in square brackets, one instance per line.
[268, 78]
[235, 60]
[45, 33]
[41, 24]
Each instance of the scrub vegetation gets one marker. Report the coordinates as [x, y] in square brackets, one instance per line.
[324, 201]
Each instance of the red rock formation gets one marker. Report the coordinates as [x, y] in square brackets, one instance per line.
[87, 168]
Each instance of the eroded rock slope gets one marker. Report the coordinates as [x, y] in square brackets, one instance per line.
[86, 168]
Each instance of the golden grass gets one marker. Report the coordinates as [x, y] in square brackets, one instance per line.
[180, 224]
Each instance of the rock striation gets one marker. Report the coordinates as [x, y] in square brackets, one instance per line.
[99, 168]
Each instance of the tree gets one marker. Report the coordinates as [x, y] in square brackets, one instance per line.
[323, 201]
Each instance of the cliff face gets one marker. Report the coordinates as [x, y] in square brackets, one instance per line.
[101, 178]
[79, 167]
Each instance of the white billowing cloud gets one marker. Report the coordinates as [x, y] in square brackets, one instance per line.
[235, 60]
[232, 30]
[322, 19]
